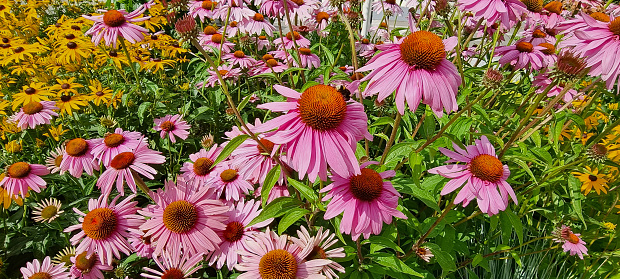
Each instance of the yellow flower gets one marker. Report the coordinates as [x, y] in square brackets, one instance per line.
[594, 119]
[157, 64]
[67, 104]
[3, 105]
[99, 94]
[613, 106]
[66, 86]
[40, 143]
[116, 99]
[22, 52]
[56, 132]
[609, 226]
[8, 127]
[35, 92]
[118, 59]
[173, 50]
[592, 179]
[13, 146]
[6, 200]
[74, 51]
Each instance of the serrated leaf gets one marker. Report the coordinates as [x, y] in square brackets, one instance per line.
[229, 148]
[307, 192]
[276, 208]
[290, 218]
[270, 180]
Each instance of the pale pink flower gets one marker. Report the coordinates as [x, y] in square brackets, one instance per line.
[508, 12]
[114, 23]
[53, 161]
[197, 172]
[228, 72]
[203, 9]
[278, 190]
[238, 12]
[274, 8]
[321, 243]
[286, 42]
[174, 264]
[106, 148]
[77, 157]
[522, 55]
[572, 241]
[172, 126]
[542, 80]
[228, 183]
[140, 244]
[239, 58]
[46, 269]
[22, 176]
[380, 6]
[256, 24]
[88, 267]
[34, 113]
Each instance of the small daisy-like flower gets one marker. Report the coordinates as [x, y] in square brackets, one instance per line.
[64, 256]
[174, 264]
[35, 92]
[35, 113]
[171, 126]
[380, 6]
[572, 242]
[522, 55]
[47, 211]
[423, 253]
[228, 183]
[239, 58]
[66, 87]
[44, 270]
[308, 59]
[183, 216]
[236, 233]
[269, 256]
[122, 166]
[22, 176]
[198, 171]
[366, 200]
[105, 228]
[319, 129]
[482, 174]
[115, 23]
[215, 42]
[592, 179]
[106, 148]
[140, 244]
[321, 243]
[228, 72]
[99, 94]
[287, 41]
[256, 25]
[53, 161]
[77, 157]
[508, 12]
[67, 104]
[88, 267]
[202, 9]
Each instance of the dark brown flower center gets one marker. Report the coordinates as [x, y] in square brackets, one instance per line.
[233, 24]
[592, 178]
[320, 16]
[99, 93]
[77, 147]
[113, 53]
[423, 49]
[65, 86]
[357, 76]
[30, 91]
[122, 160]
[173, 273]
[486, 167]
[72, 45]
[65, 98]
[600, 16]
[180, 216]
[69, 36]
[167, 126]
[32, 108]
[85, 264]
[100, 223]
[233, 232]
[229, 175]
[533, 5]
[554, 7]
[322, 107]
[113, 140]
[268, 144]
[316, 253]
[40, 275]
[599, 149]
[305, 51]
[113, 18]
[539, 34]
[18, 49]
[549, 48]
[525, 47]
[366, 186]
[202, 166]
[614, 26]
[19, 170]
[278, 264]
[391, 2]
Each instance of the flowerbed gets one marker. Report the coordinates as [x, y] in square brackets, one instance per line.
[301, 139]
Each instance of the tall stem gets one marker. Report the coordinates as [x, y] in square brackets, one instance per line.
[135, 73]
[392, 138]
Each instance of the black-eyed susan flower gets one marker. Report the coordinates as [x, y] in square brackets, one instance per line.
[73, 52]
[6, 199]
[66, 86]
[592, 179]
[13, 146]
[68, 103]
[157, 64]
[56, 132]
[8, 127]
[22, 52]
[34, 92]
[47, 210]
[98, 93]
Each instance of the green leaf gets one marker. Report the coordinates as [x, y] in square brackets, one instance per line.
[244, 102]
[383, 121]
[444, 259]
[409, 187]
[142, 109]
[290, 218]
[270, 180]
[385, 242]
[524, 166]
[516, 224]
[276, 208]
[396, 264]
[576, 197]
[229, 148]
[336, 224]
[506, 226]
[428, 128]
[307, 192]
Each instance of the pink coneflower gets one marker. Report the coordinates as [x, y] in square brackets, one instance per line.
[202, 9]
[422, 252]
[236, 233]
[320, 18]
[228, 72]
[254, 162]
[366, 200]
[174, 264]
[572, 242]
[53, 161]
[106, 148]
[21, 176]
[34, 113]
[508, 12]
[522, 55]
[271, 65]
[44, 270]
[78, 158]
[308, 59]
[365, 48]
[319, 129]
[231, 30]
[140, 244]
[321, 243]
[228, 183]
[542, 80]
[274, 8]
[171, 126]
[256, 24]
[304, 9]
[214, 43]
[598, 43]
[198, 171]
[278, 190]
[262, 43]
[183, 216]
[379, 32]
[122, 165]
[271, 256]
[389, 6]
[238, 11]
[88, 267]
[537, 35]
[482, 175]
[114, 23]
[418, 71]
[239, 58]
[286, 42]
[105, 228]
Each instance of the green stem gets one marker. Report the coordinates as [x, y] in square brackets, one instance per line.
[135, 73]
[392, 138]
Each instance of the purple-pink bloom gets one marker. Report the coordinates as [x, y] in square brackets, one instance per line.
[114, 23]
[77, 157]
[21, 175]
[482, 174]
[522, 55]
[46, 269]
[256, 25]
[321, 243]
[572, 241]
[112, 144]
[174, 264]
[171, 126]
[197, 172]
[319, 129]
[229, 183]
[508, 12]
[88, 267]
[34, 113]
